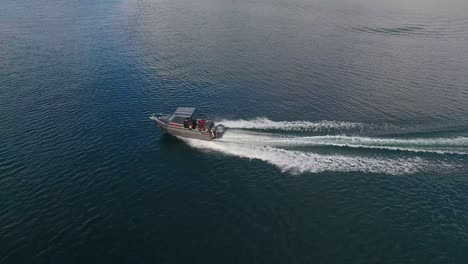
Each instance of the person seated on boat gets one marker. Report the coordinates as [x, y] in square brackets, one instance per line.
[201, 124]
[186, 123]
[194, 124]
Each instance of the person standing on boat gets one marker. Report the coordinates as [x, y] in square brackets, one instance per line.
[186, 123]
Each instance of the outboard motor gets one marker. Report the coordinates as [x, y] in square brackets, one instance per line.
[219, 131]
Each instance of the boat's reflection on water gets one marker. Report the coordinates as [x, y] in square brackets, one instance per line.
[168, 140]
[171, 144]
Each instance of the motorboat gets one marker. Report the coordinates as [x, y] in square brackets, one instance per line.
[182, 123]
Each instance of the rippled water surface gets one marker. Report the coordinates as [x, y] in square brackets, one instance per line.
[347, 139]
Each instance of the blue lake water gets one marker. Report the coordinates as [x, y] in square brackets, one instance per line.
[347, 140]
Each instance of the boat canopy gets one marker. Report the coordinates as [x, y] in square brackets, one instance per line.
[185, 112]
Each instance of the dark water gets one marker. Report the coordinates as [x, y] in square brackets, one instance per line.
[348, 139]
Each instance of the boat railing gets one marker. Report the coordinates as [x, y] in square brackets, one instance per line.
[156, 116]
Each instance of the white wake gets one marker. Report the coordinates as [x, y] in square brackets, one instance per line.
[455, 145]
[262, 123]
[297, 162]
[285, 151]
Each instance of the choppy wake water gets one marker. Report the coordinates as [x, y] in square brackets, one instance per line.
[262, 123]
[243, 141]
[455, 145]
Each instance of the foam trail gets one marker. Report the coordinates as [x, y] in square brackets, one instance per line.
[299, 162]
[262, 123]
[456, 145]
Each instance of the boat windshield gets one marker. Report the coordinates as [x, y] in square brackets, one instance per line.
[176, 119]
